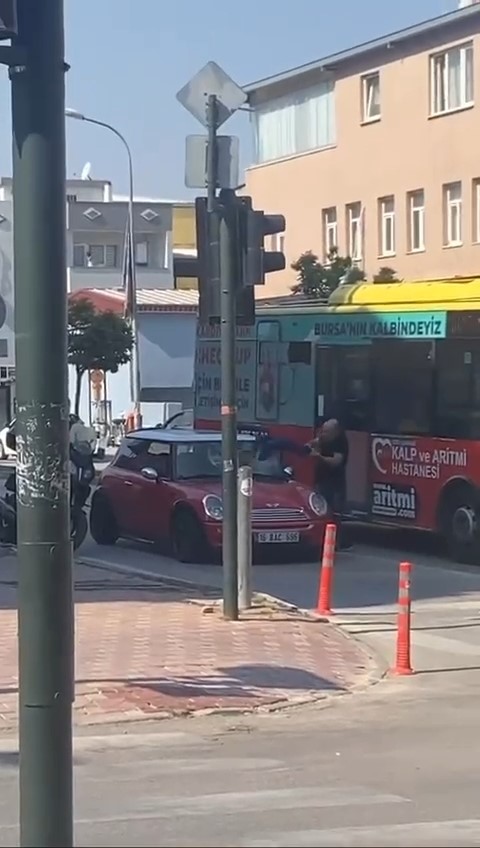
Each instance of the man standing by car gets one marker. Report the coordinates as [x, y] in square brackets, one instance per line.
[330, 449]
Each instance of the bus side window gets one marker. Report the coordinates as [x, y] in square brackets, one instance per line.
[457, 406]
[343, 382]
[355, 387]
[403, 387]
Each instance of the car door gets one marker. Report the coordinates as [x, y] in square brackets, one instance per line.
[120, 483]
[152, 496]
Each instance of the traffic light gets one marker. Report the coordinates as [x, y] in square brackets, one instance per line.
[207, 263]
[254, 226]
[251, 260]
[202, 267]
[8, 19]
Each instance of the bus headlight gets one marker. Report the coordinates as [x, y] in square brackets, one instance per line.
[318, 504]
[213, 507]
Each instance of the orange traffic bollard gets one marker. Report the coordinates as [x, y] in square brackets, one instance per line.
[326, 572]
[402, 659]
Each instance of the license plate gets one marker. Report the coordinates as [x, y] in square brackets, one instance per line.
[272, 536]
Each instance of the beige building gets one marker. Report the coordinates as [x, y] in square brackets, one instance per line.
[376, 150]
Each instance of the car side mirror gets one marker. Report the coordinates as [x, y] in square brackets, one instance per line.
[150, 474]
[288, 471]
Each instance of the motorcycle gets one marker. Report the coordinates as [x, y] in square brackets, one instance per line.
[82, 474]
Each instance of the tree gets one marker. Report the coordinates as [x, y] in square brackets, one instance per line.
[386, 275]
[315, 279]
[96, 340]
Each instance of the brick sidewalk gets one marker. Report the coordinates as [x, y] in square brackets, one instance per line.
[146, 650]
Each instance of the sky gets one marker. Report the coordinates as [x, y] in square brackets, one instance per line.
[130, 57]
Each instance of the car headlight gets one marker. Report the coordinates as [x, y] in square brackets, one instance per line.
[318, 504]
[213, 507]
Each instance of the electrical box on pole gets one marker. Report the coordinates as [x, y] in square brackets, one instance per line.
[8, 19]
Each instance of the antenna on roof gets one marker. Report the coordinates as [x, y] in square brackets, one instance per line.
[85, 175]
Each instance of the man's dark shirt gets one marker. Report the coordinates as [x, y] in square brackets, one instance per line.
[328, 476]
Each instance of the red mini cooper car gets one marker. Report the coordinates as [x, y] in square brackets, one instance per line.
[165, 486]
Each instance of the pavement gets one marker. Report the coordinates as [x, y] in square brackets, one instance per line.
[445, 596]
[158, 648]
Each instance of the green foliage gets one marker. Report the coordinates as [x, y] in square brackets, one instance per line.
[96, 340]
[315, 279]
[386, 275]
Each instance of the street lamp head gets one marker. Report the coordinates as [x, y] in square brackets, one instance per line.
[74, 113]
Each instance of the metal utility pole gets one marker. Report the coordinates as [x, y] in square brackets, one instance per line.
[45, 598]
[130, 264]
[211, 96]
[221, 224]
[212, 158]
[245, 490]
[228, 269]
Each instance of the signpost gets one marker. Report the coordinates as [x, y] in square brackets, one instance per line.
[212, 97]
[228, 161]
[45, 597]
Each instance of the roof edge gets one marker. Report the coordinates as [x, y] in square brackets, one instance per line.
[413, 31]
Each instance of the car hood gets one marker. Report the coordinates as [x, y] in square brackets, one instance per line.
[290, 493]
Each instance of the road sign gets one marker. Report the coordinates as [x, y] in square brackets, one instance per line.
[228, 161]
[211, 79]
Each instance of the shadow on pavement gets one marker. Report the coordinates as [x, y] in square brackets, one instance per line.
[245, 681]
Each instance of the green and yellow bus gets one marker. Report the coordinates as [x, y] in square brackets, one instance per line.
[399, 365]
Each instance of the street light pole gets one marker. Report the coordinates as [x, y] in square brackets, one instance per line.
[135, 382]
[45, 596]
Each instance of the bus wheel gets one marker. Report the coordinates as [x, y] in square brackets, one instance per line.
[460, 524]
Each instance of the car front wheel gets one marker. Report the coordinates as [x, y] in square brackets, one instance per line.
[187, 536]
[103, 526]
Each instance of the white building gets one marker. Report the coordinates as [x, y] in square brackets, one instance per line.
[96, 225]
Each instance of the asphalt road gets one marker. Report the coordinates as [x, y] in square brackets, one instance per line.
[372, 770]
[396, 765]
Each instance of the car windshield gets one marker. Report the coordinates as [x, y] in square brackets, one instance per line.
[204, 459]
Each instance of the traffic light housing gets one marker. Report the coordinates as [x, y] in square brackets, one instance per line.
[8, 19]
[202, 267]
[254, 226]
[207, 263]
[251, 260]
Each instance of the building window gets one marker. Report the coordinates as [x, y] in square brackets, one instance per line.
[416, 220]
[95, 255]
[371, 97]
[452, 214]
[141, 253]
[451, 79]
[330, 230]
[295, 123]
[476, 210]
[386, 225]
[354, 230]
